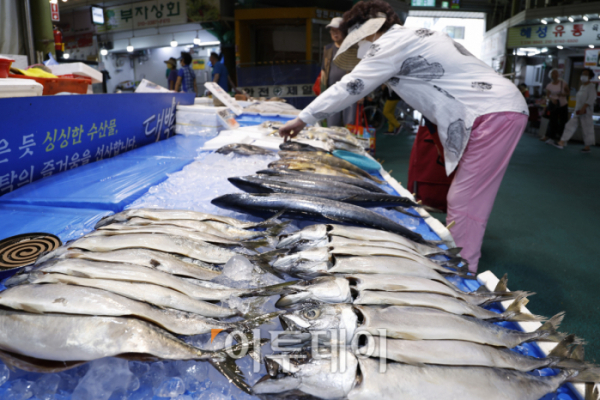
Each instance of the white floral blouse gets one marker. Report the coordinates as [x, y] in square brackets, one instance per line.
[433, 74]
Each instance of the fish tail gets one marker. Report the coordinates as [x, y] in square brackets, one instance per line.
[276, 229]
[513, 312]
[270, 221]
[272, 290]
[255, 244]
[454, 251]
[264, 261]
[589, 375]
[549, 331]
[225, 364]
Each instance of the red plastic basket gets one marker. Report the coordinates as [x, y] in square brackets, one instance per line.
[75, 76]
[57, 85]
[5, 66]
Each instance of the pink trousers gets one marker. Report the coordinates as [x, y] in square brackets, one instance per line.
[478, 177]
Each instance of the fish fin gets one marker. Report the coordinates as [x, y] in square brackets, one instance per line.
[454, 251]
[483, 289]
[577, 353]
[31, 308]
[154, 263]
[273, 290]
[104, 221]
[80, 274]
[277, 228]
[255, 244]
[271, 221]
[513, 312]
[549, 331]
[502, 285]
[562, 349]
[589, 375]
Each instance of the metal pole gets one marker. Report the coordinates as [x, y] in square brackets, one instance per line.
[29, 30]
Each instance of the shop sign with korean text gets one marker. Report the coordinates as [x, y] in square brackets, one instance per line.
[568, 34]
[304, 90]
[60, 137]
[145, 14]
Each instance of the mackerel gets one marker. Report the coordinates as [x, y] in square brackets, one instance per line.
[361, 183]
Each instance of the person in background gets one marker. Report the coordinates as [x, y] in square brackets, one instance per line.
[331, 73]
[557, 109]
[219, 72]
[171, 73]
[524, 90]
[479, 122]
[186, 78]
[584, 110]
[389, 110]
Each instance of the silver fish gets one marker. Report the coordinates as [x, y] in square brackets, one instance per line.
[160, 214]
[244, 150]
[159, 296]
[149, 258]
[363, 380]
[169, 244]
[419, 323]
[445, 303]
[64, 338]
[136, 273]
[462, 353]
[69, 299]
[317, 289]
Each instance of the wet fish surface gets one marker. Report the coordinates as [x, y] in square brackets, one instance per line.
[243, 149]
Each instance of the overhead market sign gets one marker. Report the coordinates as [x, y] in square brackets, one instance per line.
[569, 34]
[146, 14]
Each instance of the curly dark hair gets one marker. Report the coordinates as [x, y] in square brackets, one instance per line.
[590, 72]
[364, 10]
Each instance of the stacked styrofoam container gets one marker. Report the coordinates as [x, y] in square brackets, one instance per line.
[198, 120]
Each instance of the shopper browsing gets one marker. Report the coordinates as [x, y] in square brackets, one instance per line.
[389, 110]
[479, 114]
[331, 74]
[557, 109]
[186, 78]
[584, 110]
[171, 73]
[219, 72]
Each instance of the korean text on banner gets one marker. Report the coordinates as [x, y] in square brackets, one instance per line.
[34, 148]
[575, 34]
[146, 14]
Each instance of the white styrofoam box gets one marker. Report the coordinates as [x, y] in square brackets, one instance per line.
[77, 68]
[146, 86]
[200, 109]
[20, 61]
[11, 87]
[204, 101]
[198, 120]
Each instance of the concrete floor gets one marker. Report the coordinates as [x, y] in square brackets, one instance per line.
[542, 231]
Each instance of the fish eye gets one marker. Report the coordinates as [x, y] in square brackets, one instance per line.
[312, 313]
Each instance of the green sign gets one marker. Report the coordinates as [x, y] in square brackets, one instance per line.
[145, 14]
[422, 3]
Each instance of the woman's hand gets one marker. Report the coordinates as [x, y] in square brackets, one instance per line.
[291, 129]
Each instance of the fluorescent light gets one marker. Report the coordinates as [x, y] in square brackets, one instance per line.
[571, 19]
[130, 49]
[559, 47]
[173, 43]
[215, 43]
[104, 52]
[66, 56]
[557, 20]
[197, 41]
[591, 46]
[543, 21]
[585, 18]
[544, 50]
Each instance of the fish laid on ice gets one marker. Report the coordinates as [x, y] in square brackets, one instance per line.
[297, 146]
[149, 258]
[298, 205]
[160, 214]
[159, 296]
[244, 150]
[363, 380]
[66, 338]
[415, 323]
[80, 300]
[358, 182]
[322, 289]
[317, 167]
[202, 251]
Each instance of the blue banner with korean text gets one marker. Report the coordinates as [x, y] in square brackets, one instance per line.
[42, 136]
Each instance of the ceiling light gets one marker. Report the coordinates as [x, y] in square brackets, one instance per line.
[104, 52]
[585, 18]
[591, 46]
[543, 21]
[66, 56]
[130, 47]
[173, 43]
[557, 20]
[559, 47]
[544, 50]
[197, 40]
[571, 19]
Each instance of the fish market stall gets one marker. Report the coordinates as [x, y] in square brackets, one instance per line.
[189, 239]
